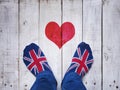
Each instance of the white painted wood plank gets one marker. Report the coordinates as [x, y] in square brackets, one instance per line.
[15, 1]
[92, 36]
[9, 46]
[111, 45]
[72, 12]
[29, 13]
[50, 10]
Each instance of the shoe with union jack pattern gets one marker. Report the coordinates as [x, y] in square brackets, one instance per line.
[35, 59]
[82, 60]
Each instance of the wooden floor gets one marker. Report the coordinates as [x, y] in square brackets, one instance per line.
[96, 22]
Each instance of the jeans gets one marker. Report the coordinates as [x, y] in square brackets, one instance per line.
[46, 81]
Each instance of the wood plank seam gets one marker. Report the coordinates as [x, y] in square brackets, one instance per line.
[18, 44]
[102, 45]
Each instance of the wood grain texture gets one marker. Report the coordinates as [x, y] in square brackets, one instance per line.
[28, 33]
[9, 46]
[50, 10]
[92, 36]
[72, 12]
[14, 1]
[111, 45]
[96, 22]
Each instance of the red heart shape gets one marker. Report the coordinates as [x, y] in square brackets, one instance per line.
[59, 35]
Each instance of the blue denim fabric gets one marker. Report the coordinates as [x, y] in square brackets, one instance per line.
[72, 81]
[46, 81]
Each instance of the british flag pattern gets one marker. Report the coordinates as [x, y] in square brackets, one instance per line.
[82, 60]
[35, 59]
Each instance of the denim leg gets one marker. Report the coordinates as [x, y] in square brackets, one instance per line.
[72, 81]
[45, 81]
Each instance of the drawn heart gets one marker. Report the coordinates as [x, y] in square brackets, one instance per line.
[59, 35]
